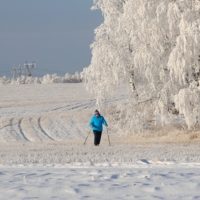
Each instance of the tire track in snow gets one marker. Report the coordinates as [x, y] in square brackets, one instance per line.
[83, 105]
[61, 108]
[42, 130]
[52, 126]
[58, 127]
[8, 131]
[21, 130]
[32, 128]
[80, 105]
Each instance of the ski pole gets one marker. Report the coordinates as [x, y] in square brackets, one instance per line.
[108, 136]
[87, 137]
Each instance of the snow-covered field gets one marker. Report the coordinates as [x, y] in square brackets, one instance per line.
[141, 180]
[42, 130]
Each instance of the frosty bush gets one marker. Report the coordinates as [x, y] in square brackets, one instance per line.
[5, 81]
[54, 78]
[155, 47]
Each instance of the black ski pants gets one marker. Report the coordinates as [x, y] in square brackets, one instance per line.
[97, 137]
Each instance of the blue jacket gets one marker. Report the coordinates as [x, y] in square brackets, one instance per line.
[97, 122]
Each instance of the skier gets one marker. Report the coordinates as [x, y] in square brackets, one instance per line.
[96, 123]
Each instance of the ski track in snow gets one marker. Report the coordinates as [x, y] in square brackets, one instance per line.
[42, 130]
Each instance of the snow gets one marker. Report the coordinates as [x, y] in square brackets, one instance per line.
[142, 180]
[42, 156]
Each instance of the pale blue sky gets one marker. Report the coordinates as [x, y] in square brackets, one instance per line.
[56, 34]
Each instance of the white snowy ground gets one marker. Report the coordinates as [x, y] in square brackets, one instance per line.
[141, 180]
[42, 130]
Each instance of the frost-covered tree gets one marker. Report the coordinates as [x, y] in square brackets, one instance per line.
[76, 78]
[155, 47]
[48, 78]
[4, 80]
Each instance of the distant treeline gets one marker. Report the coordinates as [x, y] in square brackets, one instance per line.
[54, 78]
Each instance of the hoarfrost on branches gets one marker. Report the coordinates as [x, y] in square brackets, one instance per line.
[154, 46]
[48, 78]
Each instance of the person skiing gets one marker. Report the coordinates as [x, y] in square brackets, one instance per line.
[96, 123]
